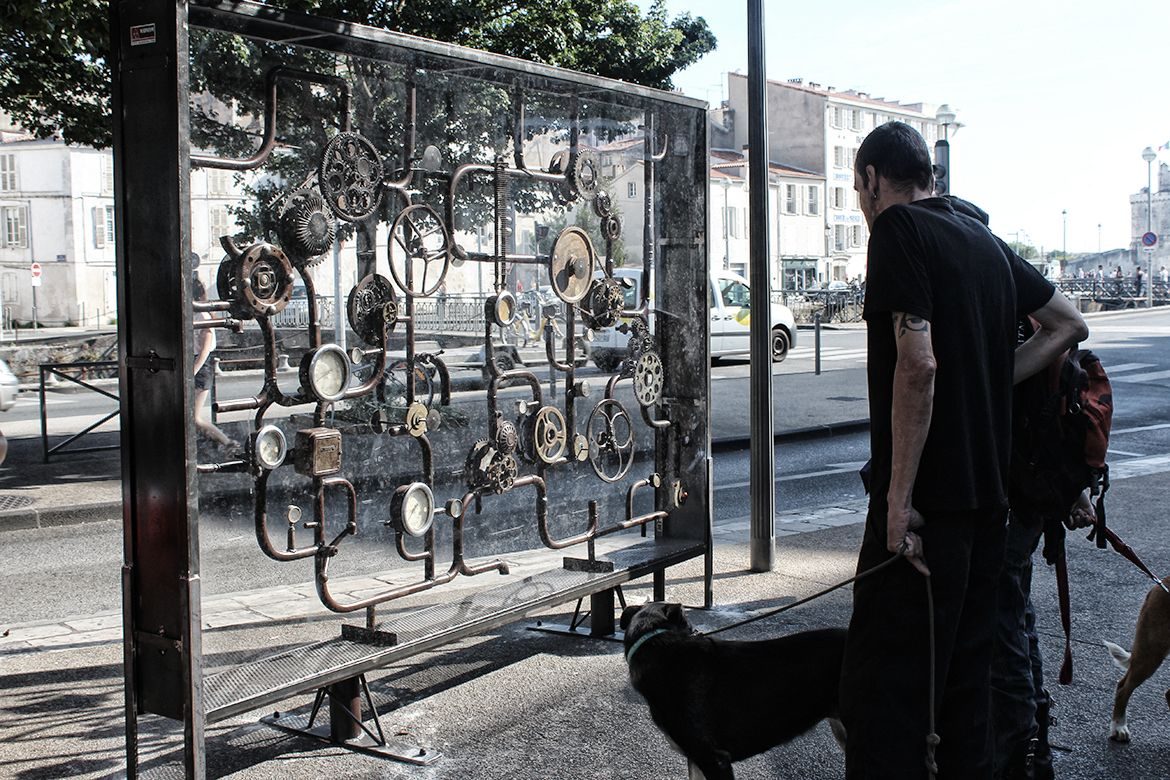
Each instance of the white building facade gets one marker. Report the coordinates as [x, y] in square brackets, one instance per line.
[819, 129]
[1150, 211]
[57, 210]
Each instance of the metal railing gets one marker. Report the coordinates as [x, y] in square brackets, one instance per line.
[832, 305]
[85, 370]
[1117, 293]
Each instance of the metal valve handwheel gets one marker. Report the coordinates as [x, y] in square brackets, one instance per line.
[419, 243]
[611, 440]
[305, 228]
[350, 176]
[549, 434]
[648, 378]
[372, 308]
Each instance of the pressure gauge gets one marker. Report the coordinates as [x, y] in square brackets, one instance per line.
[325, 371]
[502, 309]
[413, 509]
[269, 447]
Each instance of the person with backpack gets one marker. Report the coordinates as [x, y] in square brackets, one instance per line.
[941, 306]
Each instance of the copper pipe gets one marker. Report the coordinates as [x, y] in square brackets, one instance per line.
[293, 553]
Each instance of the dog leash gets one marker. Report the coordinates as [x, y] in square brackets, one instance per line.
[932, 738]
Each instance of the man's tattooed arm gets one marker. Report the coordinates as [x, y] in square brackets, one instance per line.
[910, 322]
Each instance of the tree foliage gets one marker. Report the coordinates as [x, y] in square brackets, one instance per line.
[55, 78]
[1026, 251]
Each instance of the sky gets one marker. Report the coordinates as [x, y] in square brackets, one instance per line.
[1057, 100]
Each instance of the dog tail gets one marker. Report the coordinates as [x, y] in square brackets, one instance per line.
[1120, 655]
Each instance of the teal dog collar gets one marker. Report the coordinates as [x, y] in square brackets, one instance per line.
[641, 641]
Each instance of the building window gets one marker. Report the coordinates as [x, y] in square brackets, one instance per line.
[814, 201]
[217, 220]
[7, 172]
[790, 198]
[15, 227]
[107, 174]
[836, 116]
[838, 201]
[854, 119]
[839, 237]
[217, 182]
[631, 190]
[731, 221]
[839, 156]
[856, 237]
[103, 226]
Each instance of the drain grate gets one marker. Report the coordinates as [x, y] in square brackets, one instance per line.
[8, 502]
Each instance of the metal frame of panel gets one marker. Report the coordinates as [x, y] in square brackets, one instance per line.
[161, 581]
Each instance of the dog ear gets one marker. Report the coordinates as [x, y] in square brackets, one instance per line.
[628, 615]
[674, 614]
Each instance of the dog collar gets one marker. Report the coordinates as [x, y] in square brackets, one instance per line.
[641, 641]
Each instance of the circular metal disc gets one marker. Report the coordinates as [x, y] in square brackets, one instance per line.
[587, 175]
[571, 264]
[648, 379]
[305, 228]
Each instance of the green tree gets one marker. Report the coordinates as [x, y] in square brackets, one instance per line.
[54, 75]
[1026, 251]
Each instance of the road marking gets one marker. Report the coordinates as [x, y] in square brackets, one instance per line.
[835, 468]
[1112, 451]
[1140, 467]
[1147, 377]
[1142, 428]
[1128, 367]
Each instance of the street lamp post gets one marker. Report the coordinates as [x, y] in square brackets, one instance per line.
[942, 150]
[1064, 241]
[726, 184]
[1148, 154]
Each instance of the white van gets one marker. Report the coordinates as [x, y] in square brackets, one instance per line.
[730, 300]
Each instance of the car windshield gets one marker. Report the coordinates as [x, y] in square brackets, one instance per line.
[734, 293]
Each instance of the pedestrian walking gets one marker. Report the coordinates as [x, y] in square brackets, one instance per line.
[938, 283]
[204, 370]
[1138, 275]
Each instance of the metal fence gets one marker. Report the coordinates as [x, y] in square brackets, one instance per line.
[832, 305]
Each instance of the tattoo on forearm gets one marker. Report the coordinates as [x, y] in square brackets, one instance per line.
[911, 322]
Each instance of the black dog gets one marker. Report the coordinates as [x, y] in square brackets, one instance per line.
[720, 701]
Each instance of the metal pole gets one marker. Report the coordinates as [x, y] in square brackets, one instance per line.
[1149, 228]
[763, 469]
[817, 343]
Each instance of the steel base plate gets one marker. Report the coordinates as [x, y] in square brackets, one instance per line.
[395, 749]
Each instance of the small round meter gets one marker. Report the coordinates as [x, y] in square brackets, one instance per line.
[413, 508]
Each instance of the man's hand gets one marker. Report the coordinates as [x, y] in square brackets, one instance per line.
[1082, 514]
[901, 539]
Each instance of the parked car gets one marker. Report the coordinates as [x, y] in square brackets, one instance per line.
[730, 322]
[9, 387]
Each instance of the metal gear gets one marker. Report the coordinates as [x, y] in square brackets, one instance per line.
[372, 308]
[611, 227]
[602, 204]
[586, 175]
[604, 303]
[350, 176]
[305, 228]
[507, 437]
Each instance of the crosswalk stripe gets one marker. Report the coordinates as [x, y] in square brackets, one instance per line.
[1127, 367]
[1147, 377]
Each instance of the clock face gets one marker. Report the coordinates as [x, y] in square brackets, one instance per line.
[417, 509]
[329, 372]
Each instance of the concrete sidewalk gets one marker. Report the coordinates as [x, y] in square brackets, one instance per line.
[526, 705]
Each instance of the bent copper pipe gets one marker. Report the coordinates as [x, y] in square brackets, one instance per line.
[293, 552]
[268, 142]
[542, 516]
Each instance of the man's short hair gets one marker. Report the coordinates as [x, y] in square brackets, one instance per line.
[898, 152]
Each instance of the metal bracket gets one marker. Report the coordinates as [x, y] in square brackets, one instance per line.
[365, 742]
[150, 362]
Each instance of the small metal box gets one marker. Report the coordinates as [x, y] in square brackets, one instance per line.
[318, 452]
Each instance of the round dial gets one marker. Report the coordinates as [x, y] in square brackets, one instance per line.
[415, 508]
[270, 447]
[328, 372]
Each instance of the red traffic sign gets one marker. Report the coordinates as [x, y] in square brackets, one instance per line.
[1149, 238]
[35, 268]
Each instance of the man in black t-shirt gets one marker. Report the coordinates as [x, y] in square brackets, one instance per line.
[942, 301]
